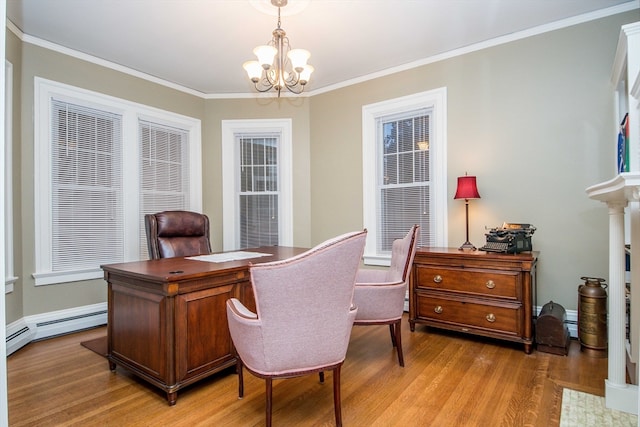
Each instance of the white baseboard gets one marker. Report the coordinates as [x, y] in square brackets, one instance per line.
[621, 397]
[46, 325]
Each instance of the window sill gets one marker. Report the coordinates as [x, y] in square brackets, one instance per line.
[52, 278]
[8, 284]
[382, 260]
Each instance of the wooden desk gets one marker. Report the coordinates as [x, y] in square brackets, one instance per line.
[167, 320]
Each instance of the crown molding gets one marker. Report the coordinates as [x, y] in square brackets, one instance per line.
[602, 13]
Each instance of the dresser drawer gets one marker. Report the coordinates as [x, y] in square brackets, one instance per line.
[480, 282]
[467, 314]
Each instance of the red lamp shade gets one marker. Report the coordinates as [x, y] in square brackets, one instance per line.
[467, 188]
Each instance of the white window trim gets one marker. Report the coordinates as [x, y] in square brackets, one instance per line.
[44, 91]
[229, 177]
[437, 101]
[10, 277]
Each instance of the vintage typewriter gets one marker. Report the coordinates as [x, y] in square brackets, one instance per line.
[510, 238]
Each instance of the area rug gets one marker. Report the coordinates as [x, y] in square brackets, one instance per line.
[583, 409]
[97, 345]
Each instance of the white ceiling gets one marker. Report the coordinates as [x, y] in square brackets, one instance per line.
[200, 45]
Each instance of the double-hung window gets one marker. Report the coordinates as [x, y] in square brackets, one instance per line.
[256, 170]
[258, 192]
[404, 167]
[86, 196]
[101, 163]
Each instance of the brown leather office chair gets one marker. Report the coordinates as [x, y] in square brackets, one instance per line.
[177, 233]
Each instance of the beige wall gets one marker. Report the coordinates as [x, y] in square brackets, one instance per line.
[531, 118]
[236, 109]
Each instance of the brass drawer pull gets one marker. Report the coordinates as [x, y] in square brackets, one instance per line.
[491, 317]
[490, 284]
[438, 309]
[437, 278]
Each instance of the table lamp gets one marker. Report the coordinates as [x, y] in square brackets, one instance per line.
[466, 190]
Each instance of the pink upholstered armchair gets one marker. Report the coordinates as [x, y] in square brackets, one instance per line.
[304, 315]
[379, 294]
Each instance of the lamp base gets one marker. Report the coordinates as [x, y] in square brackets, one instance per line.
[467, 245]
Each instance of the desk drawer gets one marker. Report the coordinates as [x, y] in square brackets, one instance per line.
[503, 318]
[489, 283]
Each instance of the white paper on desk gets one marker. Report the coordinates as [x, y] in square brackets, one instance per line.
[228, 256]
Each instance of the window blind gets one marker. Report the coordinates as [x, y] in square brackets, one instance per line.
[87, 210]
[164, 172]
[404, 177]
[258, 195]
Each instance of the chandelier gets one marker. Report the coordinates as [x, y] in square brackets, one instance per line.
[278, 66]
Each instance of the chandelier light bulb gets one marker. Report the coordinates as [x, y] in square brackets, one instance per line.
[253, 69]
[305, 74]
[265, 55]
[298, 58]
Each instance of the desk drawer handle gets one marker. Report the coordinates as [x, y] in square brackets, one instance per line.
[490, 284]
[437, 278]
[438, 309]
[491, 317]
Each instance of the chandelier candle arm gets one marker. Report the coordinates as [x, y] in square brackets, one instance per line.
[278, 66]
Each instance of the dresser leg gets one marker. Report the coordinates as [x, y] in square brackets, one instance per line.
[172, 398]
[412, 325]
[528, 348]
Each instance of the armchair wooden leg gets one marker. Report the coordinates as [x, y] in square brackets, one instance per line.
[392, 331]
[398, 340]
[336, 396]
[321, 374]
[269, 400]
[240, 379]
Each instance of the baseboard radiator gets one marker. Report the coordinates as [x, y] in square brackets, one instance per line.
[47, 325]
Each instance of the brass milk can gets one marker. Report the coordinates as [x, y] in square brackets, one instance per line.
[592, 316]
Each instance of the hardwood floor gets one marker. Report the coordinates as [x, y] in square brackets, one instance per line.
[448, 380]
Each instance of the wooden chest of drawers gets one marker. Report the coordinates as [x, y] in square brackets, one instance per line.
[476, 292]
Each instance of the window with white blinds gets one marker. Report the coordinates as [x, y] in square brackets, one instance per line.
[164, 172]
[257, 161]
[258, 192]
[404, 172]
[86, 194]
[404, 176]
[101, 163]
